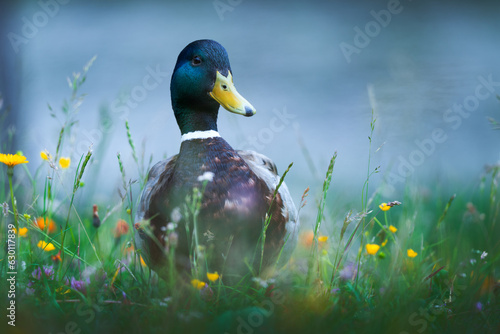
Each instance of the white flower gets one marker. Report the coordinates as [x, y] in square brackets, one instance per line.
[175, 215]
[472, 261]
[263, 283]
[170, 226]
[484, 255]
[207, 176]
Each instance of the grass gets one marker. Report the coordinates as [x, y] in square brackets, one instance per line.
[98, 282]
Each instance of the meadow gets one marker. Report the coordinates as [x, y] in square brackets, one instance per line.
[426, 262]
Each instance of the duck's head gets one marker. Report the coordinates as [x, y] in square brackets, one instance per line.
[202, 81]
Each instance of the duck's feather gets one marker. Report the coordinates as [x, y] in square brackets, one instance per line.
[267, 171]
[240, 194]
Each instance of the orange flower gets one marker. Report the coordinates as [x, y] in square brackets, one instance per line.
[56, 258]
[306, 238]
[40, 222]
[120, 229]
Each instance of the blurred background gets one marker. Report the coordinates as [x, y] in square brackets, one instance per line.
[314, 71]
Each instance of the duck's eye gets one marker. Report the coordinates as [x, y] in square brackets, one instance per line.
[224, 87]
[196, 61]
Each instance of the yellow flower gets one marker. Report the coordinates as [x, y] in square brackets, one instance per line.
[392, 229]
[198, 284]
[372, 249]
[45, 246]
[384, 243]
[13, 159]
[384, 207]
[45, 155]
[64, 162]
[23, 231]
[323, 238]
[212, 277]
[411, 253]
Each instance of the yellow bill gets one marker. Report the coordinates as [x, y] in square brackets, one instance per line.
[226, 94]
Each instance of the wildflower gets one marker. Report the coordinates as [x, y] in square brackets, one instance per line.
[372, 249]
[5, 209]
[483, 255]
[12, 160]
[176, 215]
[48, 271]
[263, 283]
[198, 284]
[306, 238]
[64, 162]
[207, 176]
[23, 231]
[79, 285]
[61, 290]
[322, 238]
[120, 229]
[45, 155]
[56, 258]
[41, 222]
[384, 207]
[392, 229]
[385, 242]
[46, 246]
[212, 277]
[348, 272]
[411, 253]
[170, 226]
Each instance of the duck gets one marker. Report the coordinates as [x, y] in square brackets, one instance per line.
[236, 189]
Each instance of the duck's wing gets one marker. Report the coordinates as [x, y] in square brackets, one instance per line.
[151, 186]
[266, 170]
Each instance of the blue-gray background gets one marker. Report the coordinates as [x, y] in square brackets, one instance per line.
[286, 57]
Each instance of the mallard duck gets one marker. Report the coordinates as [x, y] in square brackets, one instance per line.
[237, 186]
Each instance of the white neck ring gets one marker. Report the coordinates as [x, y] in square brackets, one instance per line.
[199, 135]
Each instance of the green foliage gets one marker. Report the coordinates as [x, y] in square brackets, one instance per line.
[99, 282]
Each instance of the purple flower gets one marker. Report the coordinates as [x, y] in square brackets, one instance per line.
[479, 306]
[348, 272]
[48, 271]
[80, 285]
